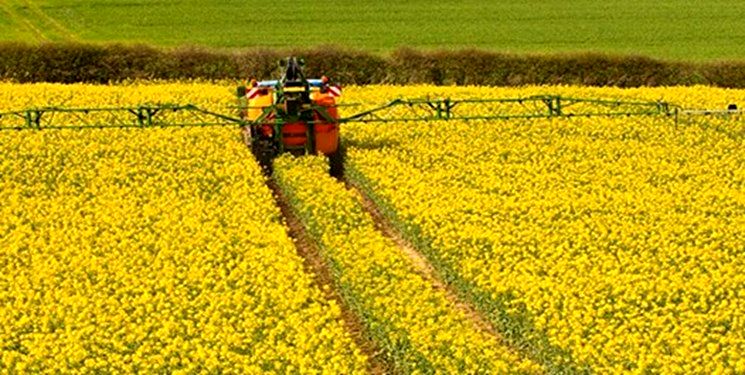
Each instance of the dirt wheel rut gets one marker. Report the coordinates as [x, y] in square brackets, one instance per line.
[426, 270]
[321, 273]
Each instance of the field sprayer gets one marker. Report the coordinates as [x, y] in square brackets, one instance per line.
[301, 116]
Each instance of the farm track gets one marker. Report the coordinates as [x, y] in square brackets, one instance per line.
[43, 28]
[426, 270]
[23, 22]
[317, 267]
[48, 22]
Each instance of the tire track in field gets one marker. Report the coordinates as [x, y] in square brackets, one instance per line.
[319, 270]
[59, 29]
[428, 272]
[23, 22]
[462, 302]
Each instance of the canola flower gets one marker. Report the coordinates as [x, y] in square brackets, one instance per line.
[416, 325]
[153, 251]
[80, 95]
[621, 239]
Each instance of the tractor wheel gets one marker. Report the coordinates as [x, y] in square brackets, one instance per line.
[336, 162]
[264, 153]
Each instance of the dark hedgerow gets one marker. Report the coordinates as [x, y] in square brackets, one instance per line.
[75, 62]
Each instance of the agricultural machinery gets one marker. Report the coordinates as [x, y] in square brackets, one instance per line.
[292, 114]
[301, 116]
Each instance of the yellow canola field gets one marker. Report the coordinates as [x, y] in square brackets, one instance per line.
[15, 97]
[415, 323]
[157, 250]
[621, 240]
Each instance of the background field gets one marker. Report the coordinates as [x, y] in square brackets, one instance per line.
[676, 29]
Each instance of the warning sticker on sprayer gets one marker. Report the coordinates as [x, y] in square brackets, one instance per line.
[335, 91]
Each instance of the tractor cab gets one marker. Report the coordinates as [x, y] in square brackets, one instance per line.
[292, 114]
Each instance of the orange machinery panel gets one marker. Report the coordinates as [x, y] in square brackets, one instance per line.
[257, 104]
[294, 133]
[326, 133]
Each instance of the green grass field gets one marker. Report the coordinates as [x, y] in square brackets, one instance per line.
[676, 29]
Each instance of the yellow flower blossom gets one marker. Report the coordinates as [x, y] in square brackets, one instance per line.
[156, 250]
[615, 241]
[619, 238]
[416, 324]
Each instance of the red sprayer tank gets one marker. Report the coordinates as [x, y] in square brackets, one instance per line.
[326, 133]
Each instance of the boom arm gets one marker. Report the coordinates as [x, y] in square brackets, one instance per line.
[399, 110]
[528, 107]
[163, 115]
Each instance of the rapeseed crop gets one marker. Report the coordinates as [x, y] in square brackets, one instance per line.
[608, 243]
[157, 250]
[419, 328]
[620, 239]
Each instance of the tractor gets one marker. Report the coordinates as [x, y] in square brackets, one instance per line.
[293, 114]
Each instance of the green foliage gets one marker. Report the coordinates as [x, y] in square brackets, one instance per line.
[75, 62]
[434, 41]
[675, 29]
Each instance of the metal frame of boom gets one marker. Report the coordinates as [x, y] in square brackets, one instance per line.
[540, 106]
[399, 110]
[144, 116]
